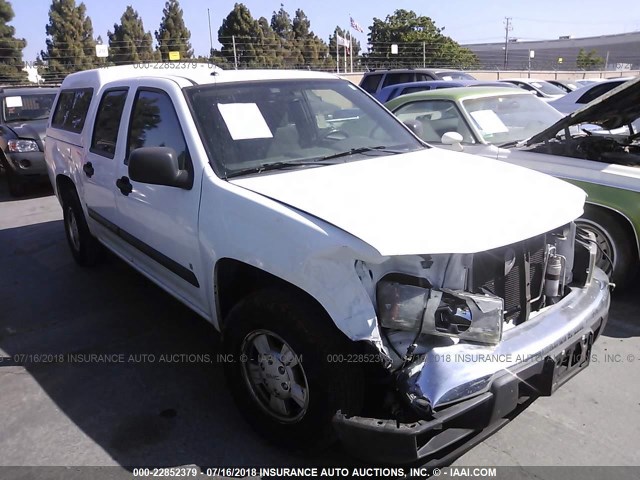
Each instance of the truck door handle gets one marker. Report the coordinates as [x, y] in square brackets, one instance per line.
[88, 169]
[124, 185]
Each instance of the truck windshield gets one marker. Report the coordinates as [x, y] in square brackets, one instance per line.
[20, 108]
[248, 126]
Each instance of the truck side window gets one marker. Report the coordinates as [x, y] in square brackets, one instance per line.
[154, 123]
[71, 110]
[105, 130]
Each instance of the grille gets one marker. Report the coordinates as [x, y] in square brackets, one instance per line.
[526, 273]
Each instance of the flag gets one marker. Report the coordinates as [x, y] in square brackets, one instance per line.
[341, 41]
[355, 25]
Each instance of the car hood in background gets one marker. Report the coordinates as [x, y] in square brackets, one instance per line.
[31, 129]
[614, 109]
[430, 201]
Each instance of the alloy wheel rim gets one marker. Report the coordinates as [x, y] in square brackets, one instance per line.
[275, 376]
[606, 247]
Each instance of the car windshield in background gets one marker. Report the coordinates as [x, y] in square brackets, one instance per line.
[548, 88]
[510, 118]
[265, 125]
[17, 108]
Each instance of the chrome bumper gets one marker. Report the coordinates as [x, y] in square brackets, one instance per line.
[460, 371]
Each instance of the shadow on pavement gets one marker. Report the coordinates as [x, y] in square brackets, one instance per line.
[139, 373]
[35, 190]
[624, 315]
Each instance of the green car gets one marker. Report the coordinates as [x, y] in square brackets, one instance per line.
[596, 148]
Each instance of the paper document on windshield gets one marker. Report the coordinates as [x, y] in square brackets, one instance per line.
[489, 122]
[244, 121]
[12, 102]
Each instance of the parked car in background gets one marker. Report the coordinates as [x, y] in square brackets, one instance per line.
[583, 82]
[541, 88]
[376, 80]
[496, 123]
[579, 98]
[393, 91]
[23, 121]
[564, 85]
[339, 259]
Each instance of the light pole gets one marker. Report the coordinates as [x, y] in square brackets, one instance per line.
[507, 28]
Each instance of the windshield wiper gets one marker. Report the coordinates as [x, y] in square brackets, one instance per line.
[513, 143]
[275, 166]
[355, 151]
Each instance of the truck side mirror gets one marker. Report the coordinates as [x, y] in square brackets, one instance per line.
[158, 166]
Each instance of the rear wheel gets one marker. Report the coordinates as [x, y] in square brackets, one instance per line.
[84, 247]
[283, 379]
[616, 249]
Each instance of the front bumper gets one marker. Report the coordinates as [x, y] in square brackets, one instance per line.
[25, 165]
[474, 390]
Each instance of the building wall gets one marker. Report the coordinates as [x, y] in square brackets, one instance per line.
[621, 52]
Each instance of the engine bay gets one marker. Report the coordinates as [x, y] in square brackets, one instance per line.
[621, 150]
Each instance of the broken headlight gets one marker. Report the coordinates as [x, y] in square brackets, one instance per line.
[418, 307]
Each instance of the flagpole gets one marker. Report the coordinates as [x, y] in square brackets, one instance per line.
[345, 56]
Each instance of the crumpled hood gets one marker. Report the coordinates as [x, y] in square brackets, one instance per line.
[34, 130]
[614, 109]
[430, 201]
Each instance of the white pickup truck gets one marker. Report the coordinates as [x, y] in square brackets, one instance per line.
[403, 299]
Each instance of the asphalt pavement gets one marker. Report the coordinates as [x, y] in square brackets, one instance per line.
[113, 371]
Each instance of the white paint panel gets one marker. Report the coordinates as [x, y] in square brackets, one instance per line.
[431, 201]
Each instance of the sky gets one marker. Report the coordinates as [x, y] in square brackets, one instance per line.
[466, 21]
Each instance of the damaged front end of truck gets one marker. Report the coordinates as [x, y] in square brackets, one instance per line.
[469, 340]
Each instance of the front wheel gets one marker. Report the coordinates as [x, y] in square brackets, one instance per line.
[616, 250]
[284, 379]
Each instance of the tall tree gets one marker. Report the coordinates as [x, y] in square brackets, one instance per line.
[173, 35]
[70, 43]
[313, 51]
[238, 34]
[129, 43]
[419, 41]
[301, 25]
[281, 24]
[11, 64]
[269, 54]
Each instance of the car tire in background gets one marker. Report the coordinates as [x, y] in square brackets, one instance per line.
[17, 186]
[286, 377]
[85, 248]
[615, 242]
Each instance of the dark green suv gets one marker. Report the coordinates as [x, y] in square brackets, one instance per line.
[24, 112]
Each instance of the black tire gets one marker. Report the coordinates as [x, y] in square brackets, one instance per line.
[17, 187]
[614, 240]
[305, 329]
[85, 248]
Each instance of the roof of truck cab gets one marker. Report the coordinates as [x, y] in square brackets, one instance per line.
[198, 73]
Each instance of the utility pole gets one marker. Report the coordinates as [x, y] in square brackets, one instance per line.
[507, 28]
